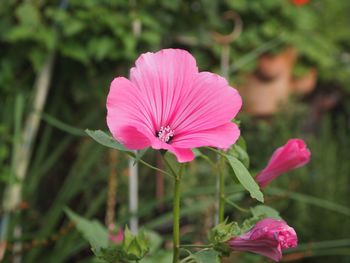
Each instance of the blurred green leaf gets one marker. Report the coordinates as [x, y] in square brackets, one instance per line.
[205, 256]
[92, 230]
[28, 14]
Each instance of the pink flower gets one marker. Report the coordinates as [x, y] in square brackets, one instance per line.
[167, 104]
[268, 238]
[117, 238]
[292, 155]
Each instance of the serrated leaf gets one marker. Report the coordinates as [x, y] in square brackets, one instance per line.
[106, 140]
[92, 230]
[245, 178]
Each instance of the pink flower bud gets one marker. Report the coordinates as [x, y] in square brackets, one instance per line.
[117, 238]
[293, 154]
[268, 238]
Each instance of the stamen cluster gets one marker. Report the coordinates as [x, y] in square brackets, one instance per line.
[165, 133]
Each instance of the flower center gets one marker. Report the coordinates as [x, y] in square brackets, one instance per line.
[165, 134]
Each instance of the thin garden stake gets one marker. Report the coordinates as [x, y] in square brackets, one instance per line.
[133, 195]
[133, 167]
[224, 41]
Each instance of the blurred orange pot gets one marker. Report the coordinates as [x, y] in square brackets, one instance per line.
[265, 90]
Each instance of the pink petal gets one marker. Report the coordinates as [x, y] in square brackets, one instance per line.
[127, 117]
[164, 79]
[182, 155]
[267, 248]
[210, 103]
[222, 137]
[132, 139]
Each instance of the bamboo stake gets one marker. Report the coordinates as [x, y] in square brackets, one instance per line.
[133, 167]
[112, 190]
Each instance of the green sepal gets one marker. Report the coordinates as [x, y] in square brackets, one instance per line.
[221, 233]
[134, 247]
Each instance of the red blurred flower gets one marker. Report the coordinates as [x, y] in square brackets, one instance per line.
[300, 2]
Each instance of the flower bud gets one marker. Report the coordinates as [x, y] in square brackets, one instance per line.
[268, 238]
[292, 155]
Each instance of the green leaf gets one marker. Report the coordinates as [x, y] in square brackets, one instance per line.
[206, 256]
[106, 140]
[112, 254]
[154, 240]
[238, 152]
[92, 230]
[28, 14]
[162, 256]
[245, 178]
[265, 211]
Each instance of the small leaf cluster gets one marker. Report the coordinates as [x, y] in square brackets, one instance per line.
[133, 247]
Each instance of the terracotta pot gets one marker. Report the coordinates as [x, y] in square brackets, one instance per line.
[306, 83]
[271, 66]
[264, 98]
[269, 88]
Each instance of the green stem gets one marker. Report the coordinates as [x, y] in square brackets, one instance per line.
[176, 217]
[221, 195]
[176, 208]
[153, 167]
[236, 206]
[196, 246]
[149, 165]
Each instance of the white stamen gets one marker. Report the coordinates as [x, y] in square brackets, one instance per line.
[165, 133]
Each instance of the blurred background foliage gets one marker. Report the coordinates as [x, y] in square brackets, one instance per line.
[94, 40]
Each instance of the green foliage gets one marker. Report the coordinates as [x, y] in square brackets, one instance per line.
[238, 152]
[318, 190]
[245, 178]
[203, 256]
[133, 248]
[316, 29]
[106, 140]
[221, 233]
[265, 211]
[94, 41]
[93, 231]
